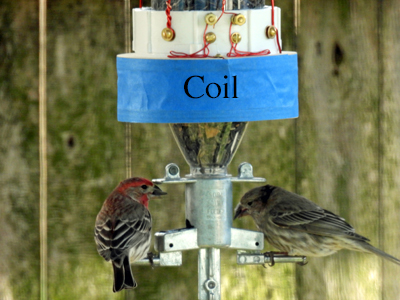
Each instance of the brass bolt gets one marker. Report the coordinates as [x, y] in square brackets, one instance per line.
[236, 37]
[270, 32]
[238, 19]
[168, 34]
[211, 19]
[210, 37]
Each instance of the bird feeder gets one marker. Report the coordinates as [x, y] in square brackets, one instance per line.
[208, 68]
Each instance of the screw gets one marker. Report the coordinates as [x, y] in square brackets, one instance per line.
[210, 37]
[210, 285]
[236, 37]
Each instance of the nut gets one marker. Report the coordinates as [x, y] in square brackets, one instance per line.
[211, 19]
[238, 19]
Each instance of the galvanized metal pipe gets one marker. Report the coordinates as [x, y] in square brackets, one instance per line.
[209, 274]
[209, 209]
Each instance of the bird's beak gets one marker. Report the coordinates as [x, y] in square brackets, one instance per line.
[240, 211]
[157, 192]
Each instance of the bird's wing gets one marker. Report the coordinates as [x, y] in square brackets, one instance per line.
[312, 219]
[293, 218]
[292, 210]
[115, 236]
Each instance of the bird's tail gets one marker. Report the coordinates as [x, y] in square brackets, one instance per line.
[380, 253]
[123, 278]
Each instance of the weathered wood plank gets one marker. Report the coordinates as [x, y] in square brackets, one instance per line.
[339, 139]
[390, 137]
[19, 181]
[85, 141]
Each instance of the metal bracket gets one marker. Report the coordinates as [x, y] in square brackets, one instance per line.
[245, 174]
[246, 239]
[186, 239]
[176, 240]
[164, 259]
[172, 176]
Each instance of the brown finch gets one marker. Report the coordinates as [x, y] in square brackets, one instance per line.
[297, 226]
[123, 228]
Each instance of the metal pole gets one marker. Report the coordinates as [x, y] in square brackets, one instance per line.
[209, 209]
[209, 274]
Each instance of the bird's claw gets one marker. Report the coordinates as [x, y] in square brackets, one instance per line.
[271, 262]
[303, 263]
[150, 256]
[271, 256]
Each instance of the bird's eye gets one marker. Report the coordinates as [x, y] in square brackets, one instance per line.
[144, 186]
[250, 203]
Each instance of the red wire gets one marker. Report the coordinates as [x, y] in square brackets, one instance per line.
[277, 41]
[168, 13]
[223, 11]
[197, 54]
[234, 52]
[273, 24]
[272, 12]
[140, 3]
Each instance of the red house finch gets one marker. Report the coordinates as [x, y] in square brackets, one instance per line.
[123, 228]
[297, 226]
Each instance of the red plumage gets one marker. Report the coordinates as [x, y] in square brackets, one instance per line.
[123, 228]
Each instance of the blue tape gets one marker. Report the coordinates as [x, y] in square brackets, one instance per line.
[217, 90]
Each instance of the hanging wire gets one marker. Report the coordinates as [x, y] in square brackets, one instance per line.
[43, 148]
[128, 126]
[273, 24]
[168, 13]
